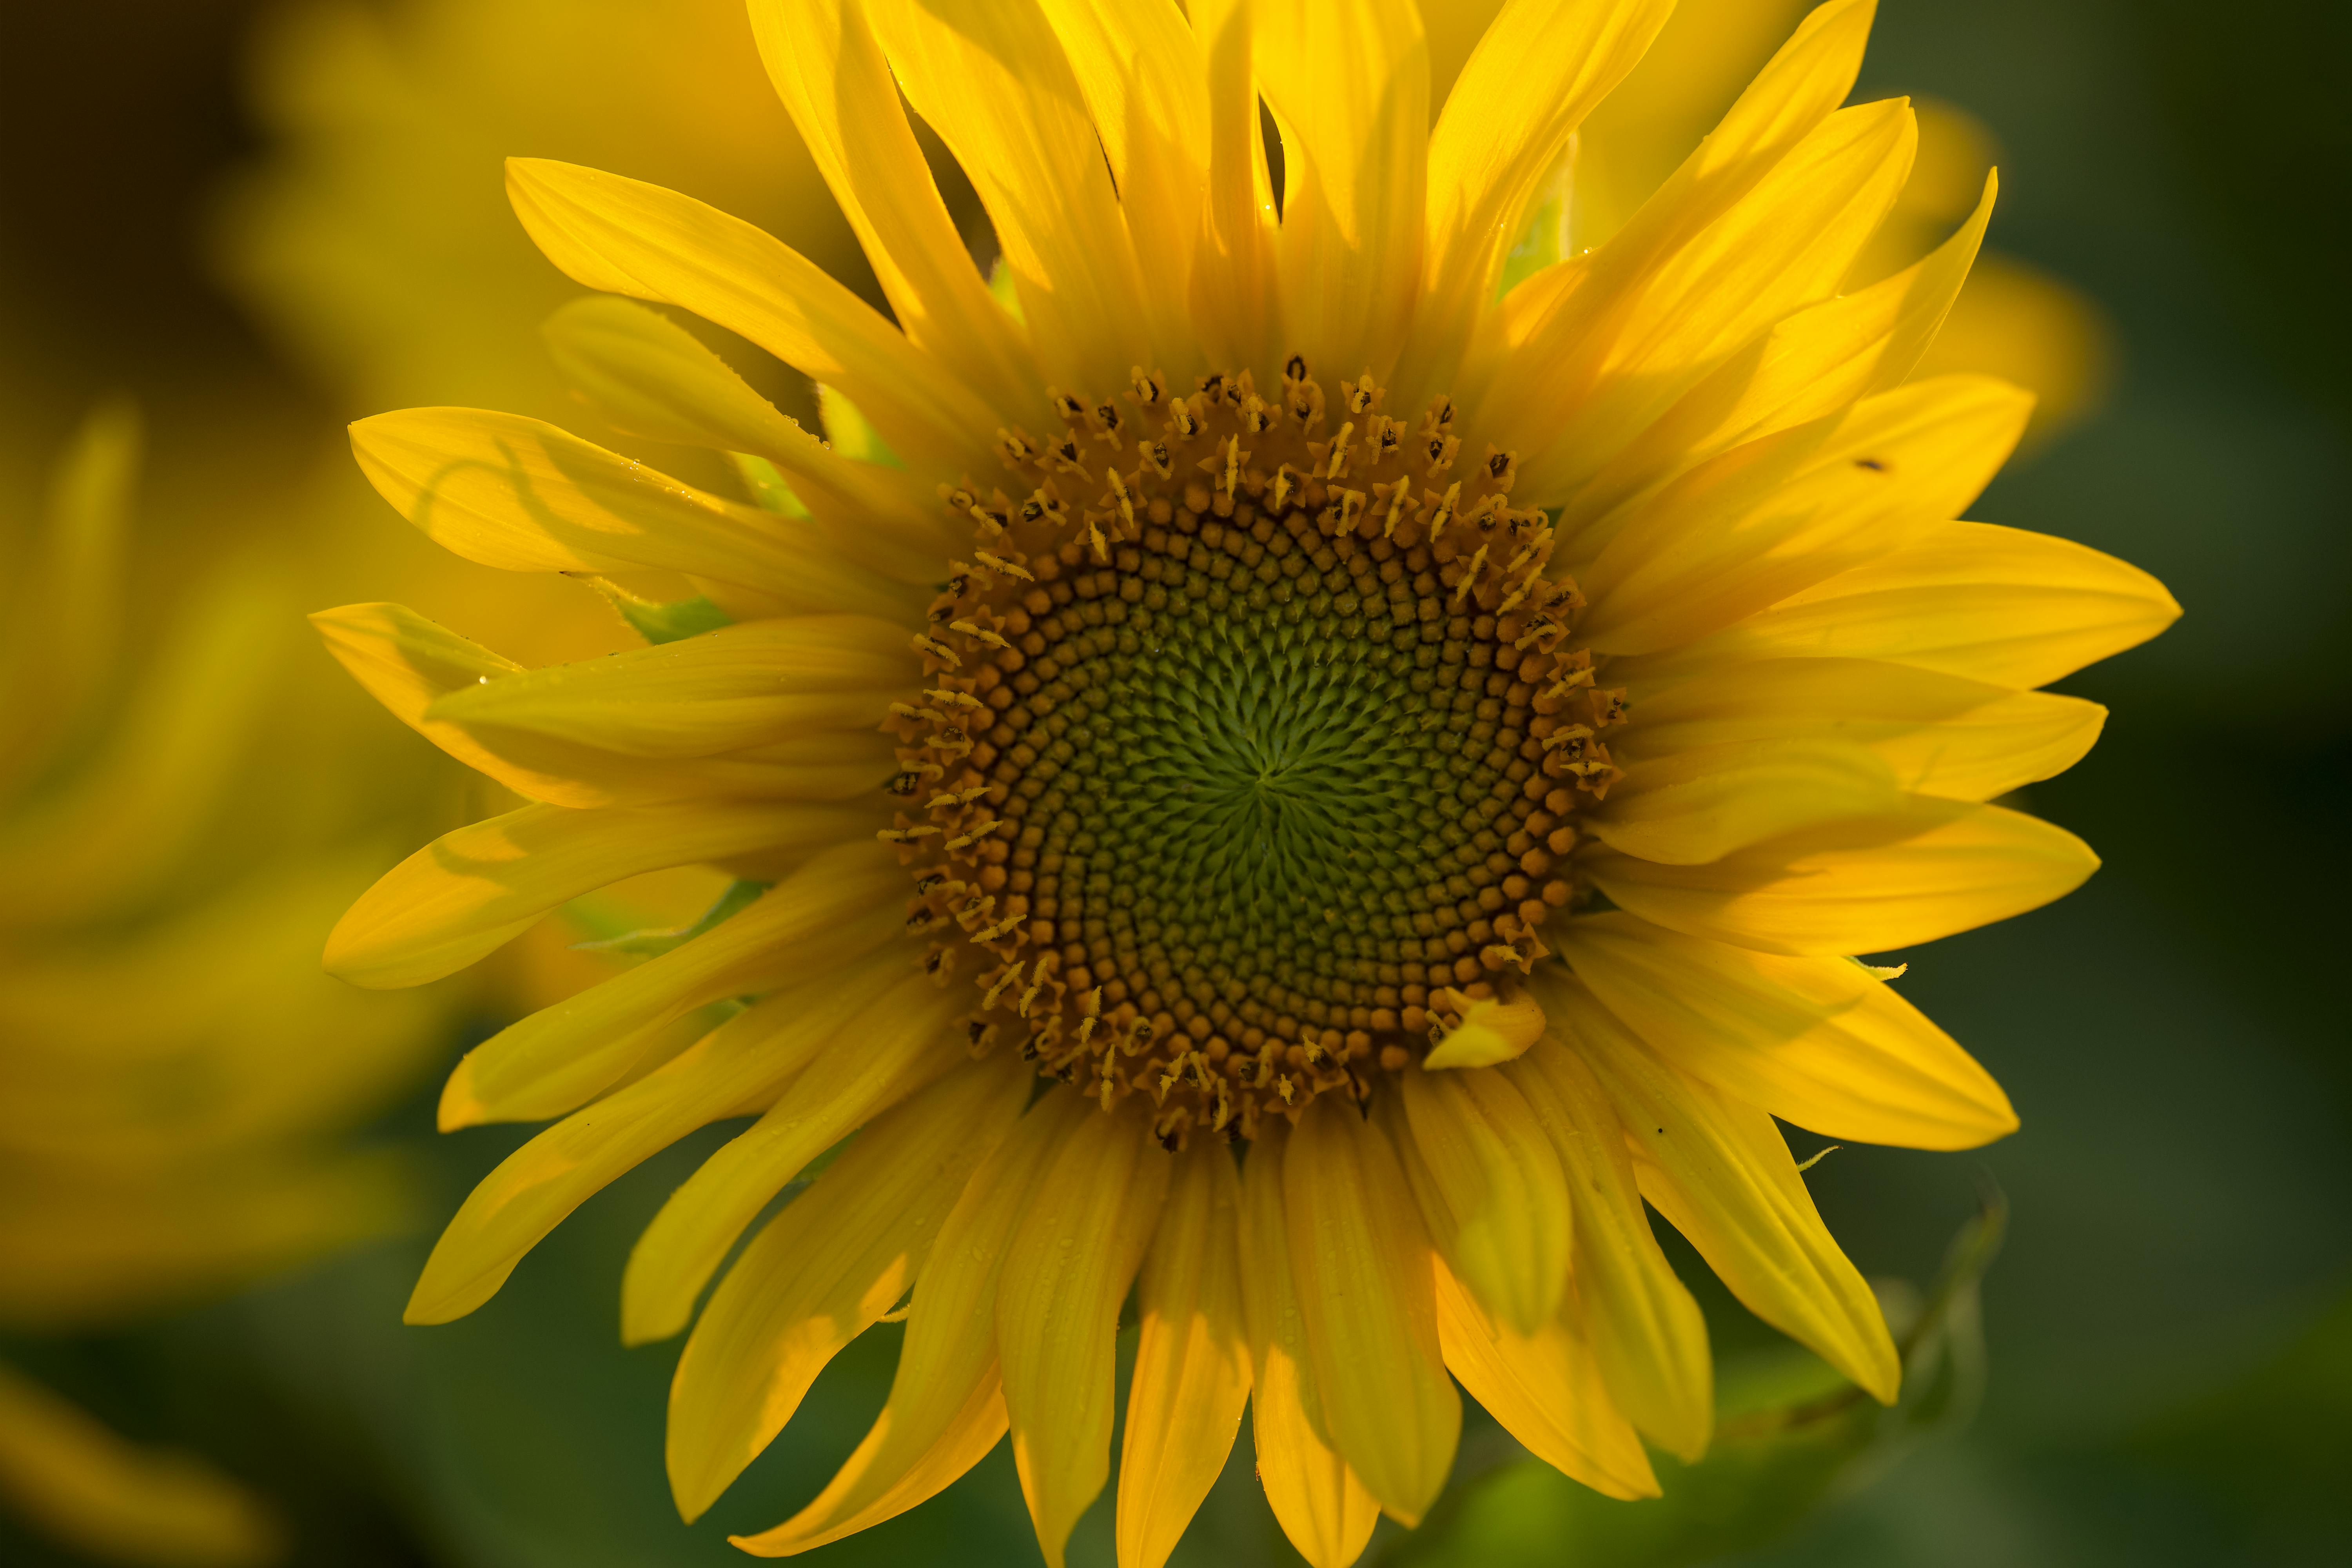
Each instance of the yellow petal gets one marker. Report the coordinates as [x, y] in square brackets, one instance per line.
[903, 1041]
[1765, 219]
[1349, 84]
[1721, 1173]
[729, 690]
[472, 890]
[822, 56]
[1545, 1389]
[1997, 605]
[1871, 885]
[1805, 80]
[1492, 1030]
[407, 663]
[523, 496]
[1820, 1042]
[825, 1270]
[1646, 1330]
[1235, 310]
[1065, 1273]
[1140, 73]
[992, 79]
[736, 1069]
[1490, 1189]
[945, 1409]
[1361, 1263]
[1454, 28]
[1810, 365]
[1941, 734]
[1319, 1502]
[651, 377]
[101, 1495]
[624, 236]
[1778, 515]
[1537, 71]
[834, 910]
[1192, 1371]
[1699, 806]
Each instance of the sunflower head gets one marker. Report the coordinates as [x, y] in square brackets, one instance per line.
[1249, 745]
[1360, 677]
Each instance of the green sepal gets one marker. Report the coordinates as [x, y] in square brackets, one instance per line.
[738, 897]
[766, 483]
[1000, 287]
[661, 623]
[849, 432]
[1545, 239]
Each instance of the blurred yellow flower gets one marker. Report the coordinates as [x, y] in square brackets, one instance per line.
[175, 1074]
[1442, 715]
[373, 243]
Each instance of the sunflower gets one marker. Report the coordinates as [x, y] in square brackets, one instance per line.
[169, 1128]
[1267, 771]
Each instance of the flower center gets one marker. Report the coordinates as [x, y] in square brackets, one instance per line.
[1250, 753]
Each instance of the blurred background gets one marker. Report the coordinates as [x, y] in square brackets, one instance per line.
[233, 226]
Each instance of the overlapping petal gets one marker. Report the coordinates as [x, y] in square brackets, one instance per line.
[1546, 1388]
[737, 1067]
[1808, 365]
[1067, 1270]
[1872, 884]
[1646, 1330]
[1537, 69]
[1719, 1170]
[903, 1040]
[993, 80]
[1941, 734]
[558, 1058]
[1192, 1361]
[409, 664]
[625, 237]
[826, 67]
[946, 1407]
[1971, 599]
[825, 1270]
[1490, 1190]
[1361, 1263]
[1321, 1504]
[1349, 89]
[474, 889]
[1778, 515]
[1820, 1042]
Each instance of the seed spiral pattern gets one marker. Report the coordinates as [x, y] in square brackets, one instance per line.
[1245, 778]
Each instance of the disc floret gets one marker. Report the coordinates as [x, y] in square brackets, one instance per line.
[1251, 745]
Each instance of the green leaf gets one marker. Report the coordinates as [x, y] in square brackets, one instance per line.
[1789, 1432]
